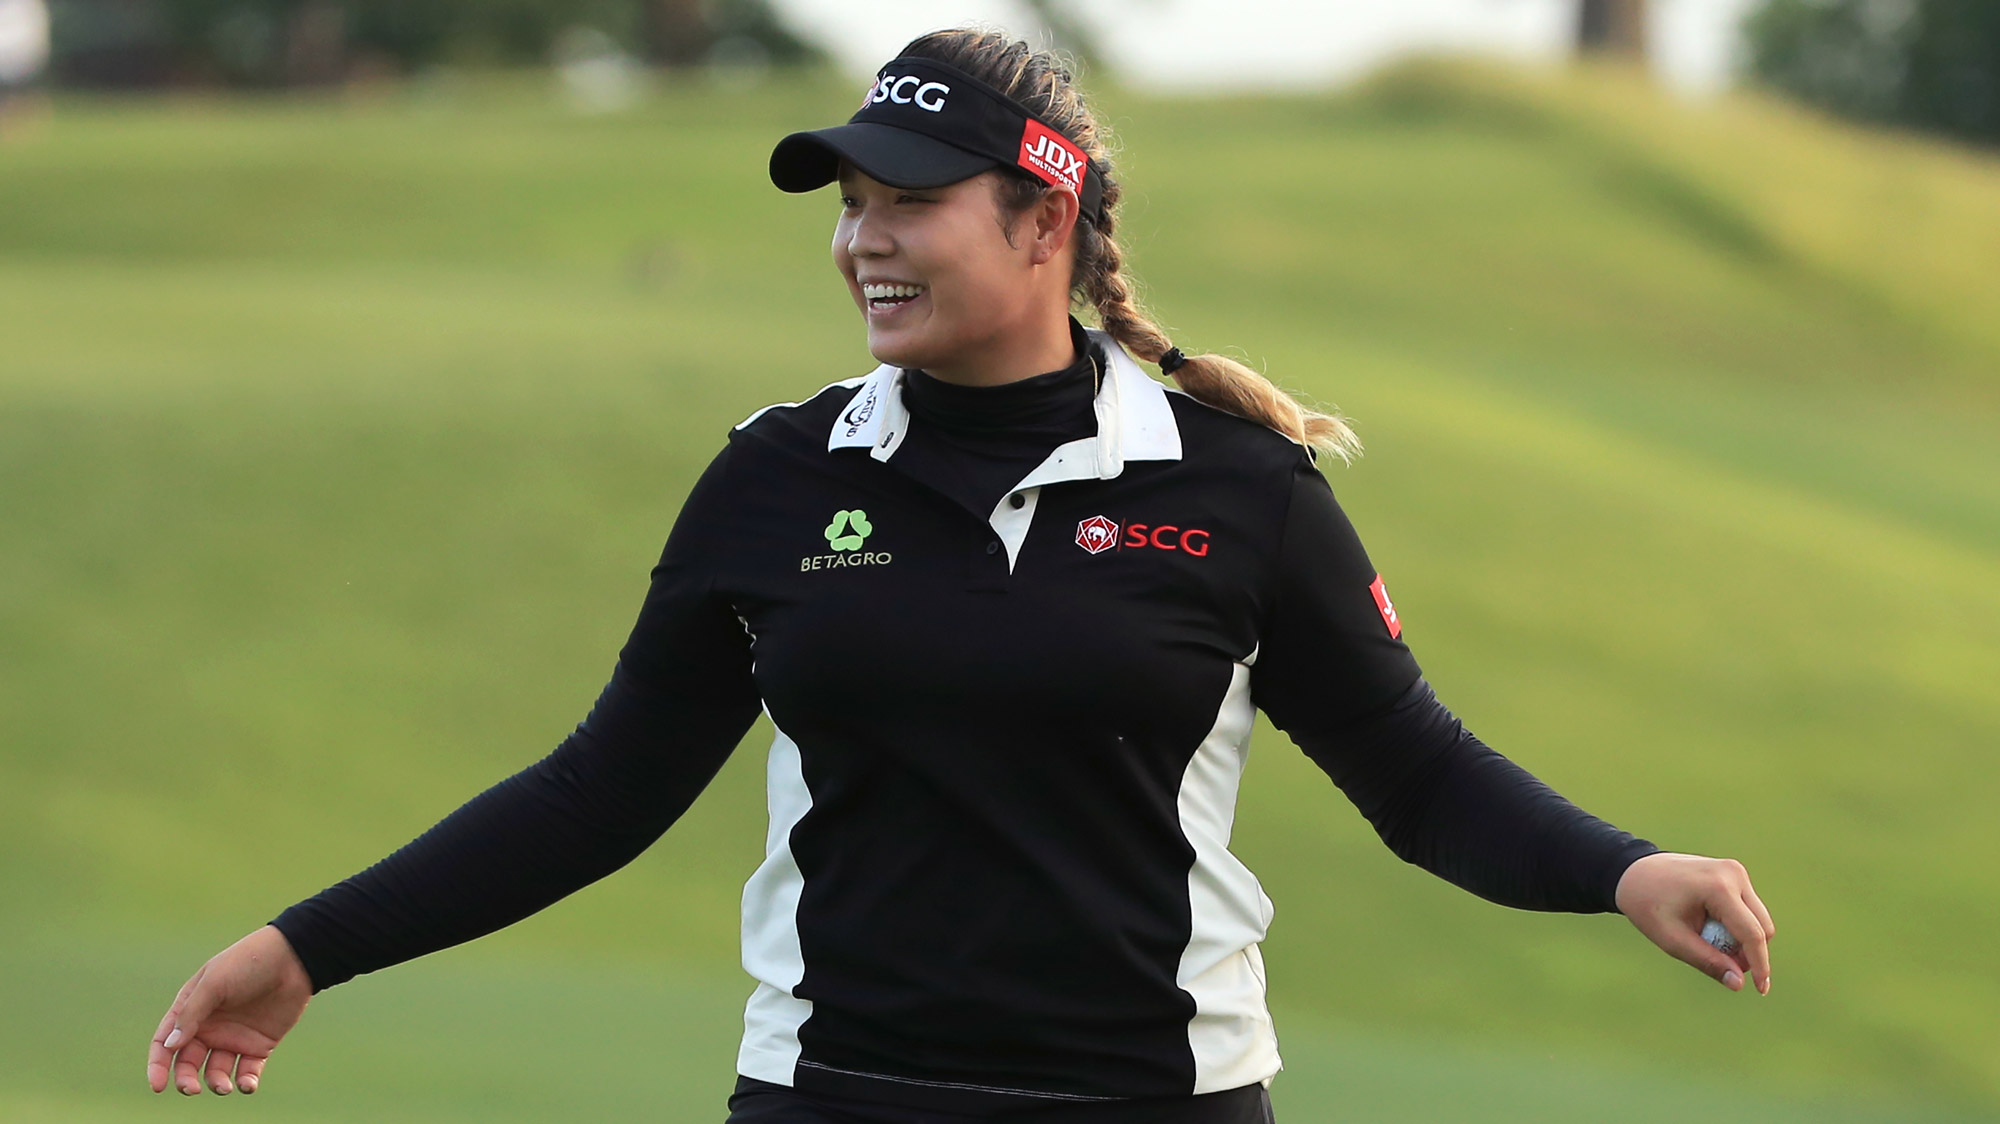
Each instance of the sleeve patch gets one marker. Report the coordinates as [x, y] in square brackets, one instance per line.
[1387, 608]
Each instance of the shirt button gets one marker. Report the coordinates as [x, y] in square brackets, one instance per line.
[1017, 500]
[993, 548]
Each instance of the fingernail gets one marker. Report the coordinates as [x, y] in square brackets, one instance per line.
[248, 1084]
[173, 1039]
[1732, 979]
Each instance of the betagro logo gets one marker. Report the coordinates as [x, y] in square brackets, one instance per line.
[846, 534]
[848, 530]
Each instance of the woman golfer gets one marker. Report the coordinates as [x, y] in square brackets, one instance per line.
[1011, 605]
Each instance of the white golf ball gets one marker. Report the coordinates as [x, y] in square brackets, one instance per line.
[1717, 934]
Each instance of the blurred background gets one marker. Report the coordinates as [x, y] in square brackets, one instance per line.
[355, 357]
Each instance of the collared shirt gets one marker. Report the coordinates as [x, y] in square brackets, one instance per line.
[973, 442]
[1001, 791]
[1009, 742]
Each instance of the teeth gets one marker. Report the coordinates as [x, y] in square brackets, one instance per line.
[882, 292]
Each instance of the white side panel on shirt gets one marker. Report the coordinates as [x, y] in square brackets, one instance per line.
[771, 952]
[1231, 1035]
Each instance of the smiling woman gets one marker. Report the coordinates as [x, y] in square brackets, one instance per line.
[1011, 606]
[1036, 145]
[946, 289]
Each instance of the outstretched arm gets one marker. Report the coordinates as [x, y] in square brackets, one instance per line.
[677, 704]
[1444, 801]
[587, 809]
[679, 700]
[1334, 673]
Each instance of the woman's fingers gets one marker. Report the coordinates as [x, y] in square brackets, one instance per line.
[1757, 907]
[159, 1059]
[220, 1062]
[1728, 901]
[168, 1037]
[187, 1066]
[190, 1011]
[1687, 946]
[1749, 932]
[249, 1073]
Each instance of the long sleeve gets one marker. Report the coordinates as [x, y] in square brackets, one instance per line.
[679, 700]
[1334, 673]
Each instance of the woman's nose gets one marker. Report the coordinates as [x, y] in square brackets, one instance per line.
[867, 239]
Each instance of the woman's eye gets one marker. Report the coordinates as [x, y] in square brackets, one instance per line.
[911, 199]
[849, 202]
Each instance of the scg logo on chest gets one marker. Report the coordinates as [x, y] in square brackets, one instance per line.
[1098, 534]
[1166, 536]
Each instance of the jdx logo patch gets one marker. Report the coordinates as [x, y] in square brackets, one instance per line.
[1388, 609]
[1051, 156]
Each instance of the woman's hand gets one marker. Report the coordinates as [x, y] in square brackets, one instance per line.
[1670, 896]
[230, 1016]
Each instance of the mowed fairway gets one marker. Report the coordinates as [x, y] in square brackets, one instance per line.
[337, 438]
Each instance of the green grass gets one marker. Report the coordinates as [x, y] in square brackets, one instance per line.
[338, 436]
[482, 1037]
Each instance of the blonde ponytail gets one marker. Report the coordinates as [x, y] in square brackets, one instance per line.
[1214, 380]
[1038, 80]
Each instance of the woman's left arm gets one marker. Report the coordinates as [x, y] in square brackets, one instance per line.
[1333, 672]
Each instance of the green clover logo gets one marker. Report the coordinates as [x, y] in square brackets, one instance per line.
[848, 530]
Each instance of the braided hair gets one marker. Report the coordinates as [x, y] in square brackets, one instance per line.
[1039, 81]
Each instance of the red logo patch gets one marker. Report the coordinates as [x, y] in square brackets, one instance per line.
[1166, 536]
[1382, 602]
[1050, 155]
[1097, 534]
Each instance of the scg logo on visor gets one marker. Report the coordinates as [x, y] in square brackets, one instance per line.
[906, 90]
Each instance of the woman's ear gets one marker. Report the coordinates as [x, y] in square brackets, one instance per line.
[1055, 215]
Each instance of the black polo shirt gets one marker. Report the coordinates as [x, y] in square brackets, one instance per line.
[1008, 747]
[1009, 742]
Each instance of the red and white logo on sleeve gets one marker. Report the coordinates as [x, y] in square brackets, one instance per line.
[1387, 607]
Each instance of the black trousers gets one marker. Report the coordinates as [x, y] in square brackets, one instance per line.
[756, 1102]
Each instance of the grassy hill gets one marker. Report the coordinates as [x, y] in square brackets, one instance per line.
[338, 437]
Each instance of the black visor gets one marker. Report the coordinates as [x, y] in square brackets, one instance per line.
[924, 124]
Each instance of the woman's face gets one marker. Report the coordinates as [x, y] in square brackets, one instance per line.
[937, 278]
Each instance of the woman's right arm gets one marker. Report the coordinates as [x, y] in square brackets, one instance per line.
[679, 700]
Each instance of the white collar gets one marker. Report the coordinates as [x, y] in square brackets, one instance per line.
[1135, 422]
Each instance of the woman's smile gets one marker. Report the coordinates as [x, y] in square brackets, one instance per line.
[893, 302]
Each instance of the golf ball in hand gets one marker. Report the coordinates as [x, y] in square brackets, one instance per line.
[1715, 933]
